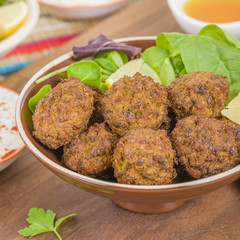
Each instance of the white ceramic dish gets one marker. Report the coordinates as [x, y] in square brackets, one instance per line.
[7, 44]
[193, 26]
[82, 11]
[10, 142]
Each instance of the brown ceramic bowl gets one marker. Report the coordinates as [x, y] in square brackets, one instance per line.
[137, 198]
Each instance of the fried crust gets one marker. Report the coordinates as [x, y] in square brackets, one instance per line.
[63, 113]
[206, 146]
[135, 102]
[198, 93]
[144, 157]
[91, 152]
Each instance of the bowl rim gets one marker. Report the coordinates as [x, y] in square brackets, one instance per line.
[82, 7]
[25, 29]
[65, 171]
[16, 152]
[200, 23]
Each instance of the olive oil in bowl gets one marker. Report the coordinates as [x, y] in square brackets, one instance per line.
[213, 11]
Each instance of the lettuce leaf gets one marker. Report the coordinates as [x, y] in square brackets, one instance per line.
[217, 33]
[205, 53]
[159, 60]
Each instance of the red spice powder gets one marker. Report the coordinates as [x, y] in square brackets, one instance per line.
[8, 153]
[14, 128]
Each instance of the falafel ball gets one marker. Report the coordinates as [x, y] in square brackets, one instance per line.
[135, 102]
[63, 113]
[198, 93]
[91, 152]
[206, 146]
[144, 157]
[97, 116]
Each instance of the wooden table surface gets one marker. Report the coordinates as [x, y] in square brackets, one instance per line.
[27, 183]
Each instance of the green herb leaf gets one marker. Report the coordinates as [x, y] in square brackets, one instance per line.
[109, 62]
[116, 57]
[33, 101]
[51, 74]
[39, 216]
[60, 220]
[33, 230]
[105, 72]
[158, 59]
[103, 87]
[106, 64]
[87, 71]
[42, 221]
[217, 33]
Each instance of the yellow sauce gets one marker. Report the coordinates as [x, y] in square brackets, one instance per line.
[213, 11]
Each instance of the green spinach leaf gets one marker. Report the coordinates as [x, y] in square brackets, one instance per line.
[33, 101]
[217, 33]
[51, 74]
[203, 53]
[116, 57]
[106, 64]
[87, 71]
[159, 60]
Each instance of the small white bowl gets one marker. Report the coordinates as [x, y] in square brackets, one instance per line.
[85, 11]
[193, 26]
[7, 44]
[11, 144]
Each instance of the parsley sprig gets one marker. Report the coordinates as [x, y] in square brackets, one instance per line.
[42, 221]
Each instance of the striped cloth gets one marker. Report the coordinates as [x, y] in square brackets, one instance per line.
[49, 34]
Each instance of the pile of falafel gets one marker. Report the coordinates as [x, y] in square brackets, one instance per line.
[141, 129]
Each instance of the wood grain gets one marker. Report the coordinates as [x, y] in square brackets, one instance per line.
[27, 183]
